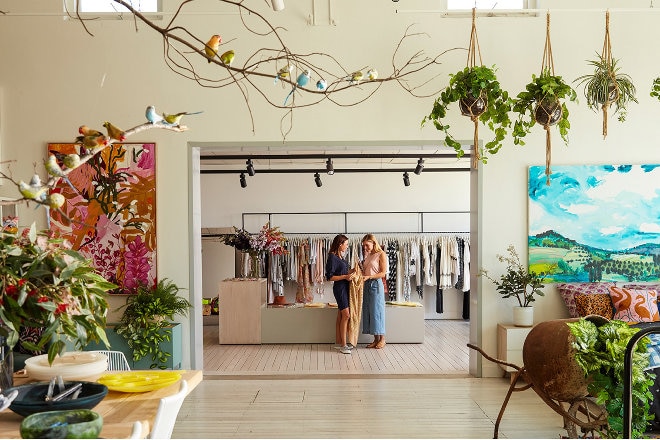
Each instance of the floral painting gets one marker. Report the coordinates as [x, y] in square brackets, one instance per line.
[110, 211]
[595, 223]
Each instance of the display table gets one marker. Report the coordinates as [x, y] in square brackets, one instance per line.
[119, 410]
[309, 325]
[240, 302]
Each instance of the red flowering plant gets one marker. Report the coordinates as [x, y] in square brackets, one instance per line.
[268, 240]
[45, 284]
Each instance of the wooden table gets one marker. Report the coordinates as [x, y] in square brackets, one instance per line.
[119, 410]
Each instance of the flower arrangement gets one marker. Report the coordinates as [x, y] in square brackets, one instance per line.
[517, 282]
[269, 240]
[240, 239]
[46, 284]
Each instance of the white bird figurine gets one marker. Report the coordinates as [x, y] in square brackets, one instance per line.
[372, 74]
[152, 116]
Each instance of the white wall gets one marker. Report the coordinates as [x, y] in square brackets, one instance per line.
[54, 77]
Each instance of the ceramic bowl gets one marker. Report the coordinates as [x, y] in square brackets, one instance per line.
[77, 423]
[72, 365]
[31, 398]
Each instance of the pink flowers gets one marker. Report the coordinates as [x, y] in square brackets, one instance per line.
[270, 240]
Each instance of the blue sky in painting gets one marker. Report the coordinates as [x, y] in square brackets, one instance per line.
[611, 207]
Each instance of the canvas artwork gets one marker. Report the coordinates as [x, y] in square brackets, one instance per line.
[595, 223]
[110, 211]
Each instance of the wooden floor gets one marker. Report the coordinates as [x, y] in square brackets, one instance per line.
[444, 352]
[312, 391]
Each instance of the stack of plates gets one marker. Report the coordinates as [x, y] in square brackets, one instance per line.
[72, 365]
[139, 381]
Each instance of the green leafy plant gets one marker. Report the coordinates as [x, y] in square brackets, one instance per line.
[600, 353]
[517, 282]
[606, 86]
[655, 89]
[475, 88]
[544, 92]
[146, 320]
[46, 284]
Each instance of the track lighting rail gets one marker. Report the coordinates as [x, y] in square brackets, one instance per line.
[338, 170]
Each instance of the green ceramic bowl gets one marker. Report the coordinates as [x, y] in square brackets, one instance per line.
[75, 423]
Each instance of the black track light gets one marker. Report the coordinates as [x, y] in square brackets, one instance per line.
[328, 167]
[419, 167]
[317, 179]
[406, 179]
[250, 167]
[243, 181]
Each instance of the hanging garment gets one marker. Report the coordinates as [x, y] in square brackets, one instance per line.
[355, 304]
[304, 292]
[439, 300]
[461, 269]
[392, 258]
[276, 279]
[406, 271]
[466, 265]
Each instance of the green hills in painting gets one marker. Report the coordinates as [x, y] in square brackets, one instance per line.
[566, 260]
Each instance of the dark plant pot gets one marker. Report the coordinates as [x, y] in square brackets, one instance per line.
[471, 106]
[613, 94]
[548, 112]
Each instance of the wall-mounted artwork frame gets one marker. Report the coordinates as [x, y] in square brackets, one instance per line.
[595, 223]
[110, 211]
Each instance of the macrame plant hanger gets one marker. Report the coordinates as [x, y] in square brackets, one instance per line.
[610, 96]
[473, 51]
[548, 64]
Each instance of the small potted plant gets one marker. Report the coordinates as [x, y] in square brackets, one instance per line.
[606, 86]
[480, 97]
[146, 320]
[518, 283]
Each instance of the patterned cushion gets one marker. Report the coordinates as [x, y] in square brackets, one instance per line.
[635, 305]
[655, 287]
[596, 304]
[569, 290]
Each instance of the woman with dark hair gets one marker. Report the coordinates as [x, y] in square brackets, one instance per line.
[374, 268]
[336, 270]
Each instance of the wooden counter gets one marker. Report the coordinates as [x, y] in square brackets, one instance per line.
[119, 410]
[240, 303]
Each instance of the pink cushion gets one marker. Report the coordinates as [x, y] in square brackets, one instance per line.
[655, 287]
[633, 305]
[568, 291]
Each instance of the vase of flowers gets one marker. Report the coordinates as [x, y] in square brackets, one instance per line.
[45, 284]
[256, 248]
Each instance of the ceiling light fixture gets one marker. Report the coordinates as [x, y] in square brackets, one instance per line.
[406, 179]
[243, 181]
[317, 179]
[250, 167]
[329, 167]
[419, 167]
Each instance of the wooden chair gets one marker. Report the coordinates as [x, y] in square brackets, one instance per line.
[167, 411]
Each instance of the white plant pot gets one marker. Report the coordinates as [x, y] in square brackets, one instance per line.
[523, 316]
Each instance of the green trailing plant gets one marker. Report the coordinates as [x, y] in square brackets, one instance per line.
[606, 86]
[600, 353]
[146, 320]
[545, 91]
[482, 98]
[655, 88]
[517, 282]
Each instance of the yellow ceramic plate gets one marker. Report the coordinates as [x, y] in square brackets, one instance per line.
[139, 381]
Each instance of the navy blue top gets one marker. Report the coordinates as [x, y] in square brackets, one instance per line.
[337, 266]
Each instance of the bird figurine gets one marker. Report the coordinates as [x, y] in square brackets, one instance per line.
[54, 170]
[37, 193]
[152, 116]
[211, 48]
[175, 119]
[55, 200]
[372, 74]
[86, 131]
[284, 72]
[227, 58]
[90, 136]
[71, 161]
[114, 132]
[302, 81]
[321, 84]
[356, 77]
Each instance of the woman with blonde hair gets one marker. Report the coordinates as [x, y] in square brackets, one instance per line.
[374, 268]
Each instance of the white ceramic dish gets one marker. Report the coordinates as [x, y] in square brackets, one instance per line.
[72, 365]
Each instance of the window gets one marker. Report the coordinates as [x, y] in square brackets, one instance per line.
[88, 6]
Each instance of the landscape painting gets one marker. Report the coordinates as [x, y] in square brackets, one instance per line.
[595, 223]
[110, 211]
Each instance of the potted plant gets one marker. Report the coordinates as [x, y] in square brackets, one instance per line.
[518, 283]
[599, 351]
[146, 320]
[480, 97]
[606, 86]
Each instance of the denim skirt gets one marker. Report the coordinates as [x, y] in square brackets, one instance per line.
[373, 308]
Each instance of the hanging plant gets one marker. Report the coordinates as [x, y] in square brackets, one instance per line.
[542, 103]
[606, 86]
[480, 97]
[655, 89]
